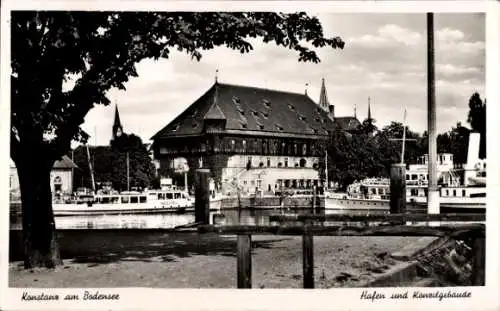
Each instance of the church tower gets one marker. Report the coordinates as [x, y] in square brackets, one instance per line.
[323, 101]
[117, 125]
[369, 110]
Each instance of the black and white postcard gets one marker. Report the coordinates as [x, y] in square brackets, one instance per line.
[249, 155]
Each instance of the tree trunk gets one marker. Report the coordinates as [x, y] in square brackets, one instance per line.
[41, 248]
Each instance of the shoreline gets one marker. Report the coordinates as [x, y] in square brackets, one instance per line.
[186, 260]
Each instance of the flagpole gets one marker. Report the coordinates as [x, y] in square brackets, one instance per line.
[128, 173]
[326, 169]
[404, 139]
[433, 190]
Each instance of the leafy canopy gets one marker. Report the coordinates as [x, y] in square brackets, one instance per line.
[101, 49]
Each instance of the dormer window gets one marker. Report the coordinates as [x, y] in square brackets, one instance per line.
[261, 126]
[302, 118]
[255, 113]
[243, 125]
[291, 107]
[265, 114]
[317, 119]
[279, 127]
[176, 127]
[236, 100]
[267, 103]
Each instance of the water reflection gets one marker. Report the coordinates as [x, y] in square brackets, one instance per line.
[171, 220]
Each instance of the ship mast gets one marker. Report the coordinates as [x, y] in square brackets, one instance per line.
[90, 168]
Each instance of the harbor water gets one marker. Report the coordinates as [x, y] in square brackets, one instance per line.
[169, 219]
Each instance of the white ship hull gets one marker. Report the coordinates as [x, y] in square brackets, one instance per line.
[447, 204]
[130, 208]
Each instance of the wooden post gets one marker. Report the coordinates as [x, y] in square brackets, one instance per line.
[314, 200]
[244, 257]
[308, 260]
[398, 189]
[479, 262]
[202, 197]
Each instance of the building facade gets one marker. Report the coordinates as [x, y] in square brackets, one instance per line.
[251, 139]
[61, 178]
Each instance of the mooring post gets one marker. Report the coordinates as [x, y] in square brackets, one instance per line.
[314, 198]
[398, 189]
[202, 197]
[308, 258]
[244, 257]
[479, 263]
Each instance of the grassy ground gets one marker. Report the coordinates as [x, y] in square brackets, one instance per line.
[185, 260]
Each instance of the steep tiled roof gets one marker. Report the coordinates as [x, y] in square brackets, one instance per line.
[252, 110]
[347, 123]
[64, 163]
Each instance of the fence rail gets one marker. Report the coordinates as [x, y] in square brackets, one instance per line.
[392, 228]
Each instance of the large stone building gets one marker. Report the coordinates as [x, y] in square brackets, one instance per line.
[258, 139]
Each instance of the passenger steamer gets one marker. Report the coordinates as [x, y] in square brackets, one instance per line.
[164, 200]
[461, 189]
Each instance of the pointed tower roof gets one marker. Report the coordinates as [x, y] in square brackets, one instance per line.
[214, 112]
[323, 97]
[369, 111]
[117, 122]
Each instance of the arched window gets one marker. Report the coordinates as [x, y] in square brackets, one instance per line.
[302, 162]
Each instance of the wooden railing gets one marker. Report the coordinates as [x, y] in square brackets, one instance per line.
[463, 226]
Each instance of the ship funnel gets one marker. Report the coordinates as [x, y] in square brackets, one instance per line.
[472, 156]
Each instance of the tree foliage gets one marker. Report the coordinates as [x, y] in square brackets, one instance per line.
[477, 120]
[109, 164]
[99, 51]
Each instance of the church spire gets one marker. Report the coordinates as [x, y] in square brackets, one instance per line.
[323, 97]
[369, 111]
[117, 125]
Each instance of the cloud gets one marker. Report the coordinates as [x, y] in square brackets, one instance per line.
[448, 34]
[384, 58]
[389, 34]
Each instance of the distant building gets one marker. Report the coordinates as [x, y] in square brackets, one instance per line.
[258, 140]
[61, 178]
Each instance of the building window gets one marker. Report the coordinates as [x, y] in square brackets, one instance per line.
[268, 161]
[244, 142]
[463, 192]
[303, 162]
[454, 193]
[283, 148]
[233, 144]
[286, 162]
[304, 149]
[295, 150]
[57, 184]
[264, 147]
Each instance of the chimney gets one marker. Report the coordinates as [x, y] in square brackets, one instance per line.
[331, 112]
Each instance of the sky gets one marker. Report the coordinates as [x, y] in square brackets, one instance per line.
[384, 58]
